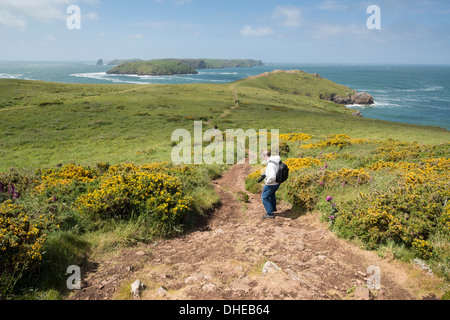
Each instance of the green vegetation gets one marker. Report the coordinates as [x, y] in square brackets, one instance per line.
[386, 195]
[298, 83]
[79, 166]
[154, 68]
[116, 62]
[221, 64]
[176, 66]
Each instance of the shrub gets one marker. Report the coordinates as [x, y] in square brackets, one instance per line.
[295, 137]
[66, 183]
[299, 163]
[157, 196]
[21, 241]
[404, 215]
[339, 140]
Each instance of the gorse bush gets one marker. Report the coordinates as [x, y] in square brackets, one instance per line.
[385, 192]
[21, 240]
[158, 196]
[409, 214]
[150, 201]
[404, 215]
[339, 140]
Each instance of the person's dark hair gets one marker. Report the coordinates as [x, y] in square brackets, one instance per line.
[266, 153]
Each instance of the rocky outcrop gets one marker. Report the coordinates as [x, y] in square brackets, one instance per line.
[362, 98]
[99, 62]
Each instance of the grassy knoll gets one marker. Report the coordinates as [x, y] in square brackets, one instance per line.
[46, 124]
[79, 166]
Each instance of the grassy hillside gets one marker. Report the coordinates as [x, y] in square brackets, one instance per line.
[297, 82]
[45, 124]
[154, 68]
[79, 166]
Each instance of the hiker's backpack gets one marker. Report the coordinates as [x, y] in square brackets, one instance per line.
[283, 173]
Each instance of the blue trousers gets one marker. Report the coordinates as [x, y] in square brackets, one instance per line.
[269, 198]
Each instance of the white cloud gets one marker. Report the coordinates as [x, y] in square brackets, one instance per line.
[134, 36]
[175, 2]
[288, 16]
[43, 10]
[249, 31]
[333, 5]
[16, 13]
[164, 24]
[334, 30]
[10, 21]
[91, 16]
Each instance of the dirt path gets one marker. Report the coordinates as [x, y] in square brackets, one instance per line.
[224, 258]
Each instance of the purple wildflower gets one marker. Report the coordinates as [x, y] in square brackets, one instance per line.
[321, 183]
[326, 166]
[54, 198]
[11, 189]
[2, 188]
[329, 198]
[16, 195]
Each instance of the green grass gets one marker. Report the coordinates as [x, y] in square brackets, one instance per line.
[46, 124]
[50, 125]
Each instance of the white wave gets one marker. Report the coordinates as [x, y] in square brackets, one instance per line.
[429, 88]
[385, 104]
[11, 76]
[103, 76]
[432, 88]
[220, 73]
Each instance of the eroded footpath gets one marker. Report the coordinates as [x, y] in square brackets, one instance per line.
[236, 255]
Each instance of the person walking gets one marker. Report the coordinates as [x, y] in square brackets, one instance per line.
[270, 176]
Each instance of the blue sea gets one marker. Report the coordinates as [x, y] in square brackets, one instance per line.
[406, 93]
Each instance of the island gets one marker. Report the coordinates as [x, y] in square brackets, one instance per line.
[177, 66]
[222, 63]
[117, 62]
[166, 67]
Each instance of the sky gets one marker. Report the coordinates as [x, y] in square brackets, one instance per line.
[277, 31]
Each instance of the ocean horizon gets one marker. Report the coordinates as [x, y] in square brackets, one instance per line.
[414, 94]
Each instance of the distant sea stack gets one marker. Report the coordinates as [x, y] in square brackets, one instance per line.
[99, 62]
